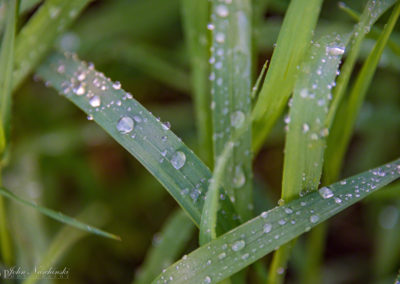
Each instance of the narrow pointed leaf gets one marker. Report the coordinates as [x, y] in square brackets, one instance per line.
[163, 154]
[252, 240]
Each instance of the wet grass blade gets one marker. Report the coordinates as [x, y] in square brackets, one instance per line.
[6, 67]
[306, 132]
[343, 125]
[167, 249]
[161, 152]
[279, 82]
[37, 37]
[58, 215]
[372, 12]
[66, 238]
[231, 58]
[250, 241]
[195, 15]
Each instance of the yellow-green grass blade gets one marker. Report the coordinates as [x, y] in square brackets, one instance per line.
[231, 58]
[195, 15]
[37, 37]
[306, 131]
[343, 125]
[57, 215]
[291, 46]
[6, 67]
[254, 239]
[65, 239]
[152, 142]
[174, 235]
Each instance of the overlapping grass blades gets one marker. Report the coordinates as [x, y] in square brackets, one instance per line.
[290, 48]
[250, 241]
[163, 154]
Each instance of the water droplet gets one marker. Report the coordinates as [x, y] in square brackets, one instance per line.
[264, 214]
[125, 125]
[166, 125]
[239, 179]
[178, 160]
[79, 88]
[238, 245]
[338, 200]
[267, 228]
[117, 85]
[222, 255]
[207, 279]
[325, 192]
[314, 218]
[220, 37]
[95, 101]
[306, 128]
[222, 11]
[237, 119]
[335, 50]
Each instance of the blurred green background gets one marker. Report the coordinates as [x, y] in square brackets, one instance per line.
[64, 161]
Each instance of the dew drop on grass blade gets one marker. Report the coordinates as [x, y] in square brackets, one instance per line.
[152, 142]
[249, 242]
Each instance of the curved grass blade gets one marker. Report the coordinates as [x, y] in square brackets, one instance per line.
[306, 134]
[37, 37]
[195, 14]
[6, 67]
[231, 58]
[166, 251]
[58, 215]
[248, 242]
[66, 238]
[164, 155]
[290, 48]
[343, 125]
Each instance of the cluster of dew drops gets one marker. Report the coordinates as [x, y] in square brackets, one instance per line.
[359, 185]
[88, 83]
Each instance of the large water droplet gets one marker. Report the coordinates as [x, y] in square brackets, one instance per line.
[95, 101]
[239, 179]
[125, 124]
[238, 245]
[325, 192]
[334, 50]
[237, 119]
[178, 160]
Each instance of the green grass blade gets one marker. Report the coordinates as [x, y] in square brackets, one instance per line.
[306, 134]
[195, 14]
[166, 251]
[37, 37]
[345, 120]
[66, 238]
[231, 58]
[290, 48]
[397, 281]
[6, 67]
[372, 12]
[58, 215]
[161, 152]
[250, 241]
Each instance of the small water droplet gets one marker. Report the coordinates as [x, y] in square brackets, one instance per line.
[239, 179]
[222, 255]
[267, 228]
[238, 245]
[335, 50]
[222, 11]
[264, 214]
[125, 125]
[117, 85]
[178, 160]
[237, 119]
[325, 192]
[314, 218]
[95, 101]
[207, 279]
[220, 37]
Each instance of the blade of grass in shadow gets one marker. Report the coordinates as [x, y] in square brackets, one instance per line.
[290, 48]
[37, 37]
[162, 254]
[58, 215]
[252, 240]
[195, 14]
[231, 57]
[66, 238]
[6, 67]
[145, 58]
[161, 152]
[306, 131]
